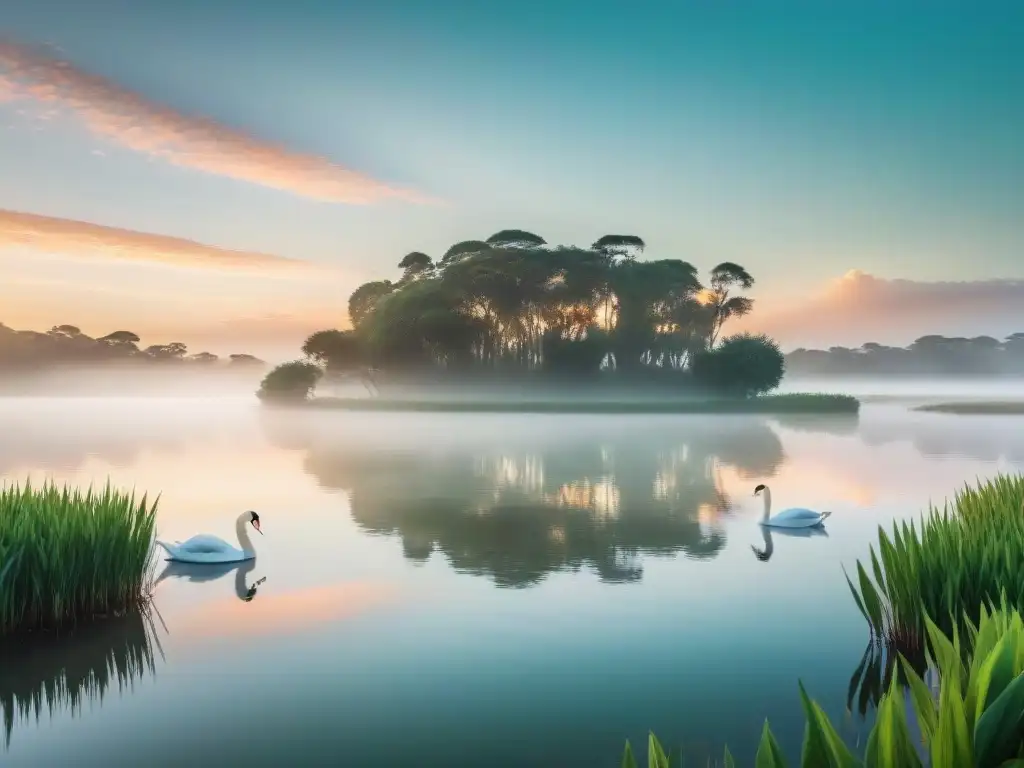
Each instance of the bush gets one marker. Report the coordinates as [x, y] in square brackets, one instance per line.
[975, 721]
[69, 556]
[741, 366]
[290, 381]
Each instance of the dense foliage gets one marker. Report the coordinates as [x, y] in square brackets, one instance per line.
[742, 365]
[976, 719]
[71, 555]
[512, 305]
[290, 381]
[67, 345]
[928, 356]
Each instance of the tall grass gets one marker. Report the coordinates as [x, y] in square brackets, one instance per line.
[80, 555]
[974, 720]
[64, 671]
[967, 554]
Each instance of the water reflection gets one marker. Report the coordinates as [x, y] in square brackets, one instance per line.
[837, 424]
[873, 676]
[981, 438]
[63, 671]
[199, 573]
[764, 555]
[601, 500]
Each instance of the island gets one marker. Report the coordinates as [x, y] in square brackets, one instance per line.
[513, 324]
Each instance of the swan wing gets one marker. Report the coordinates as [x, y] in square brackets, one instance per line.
[798, 513]
[796, 517]
[204, 543]
[204, 549]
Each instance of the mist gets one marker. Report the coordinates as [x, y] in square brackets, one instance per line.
[108, 380]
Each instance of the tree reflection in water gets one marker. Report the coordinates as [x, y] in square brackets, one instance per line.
[515, 515]
[64, 671]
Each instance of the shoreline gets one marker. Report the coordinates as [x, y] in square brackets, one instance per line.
[976, 408]
[772, 404]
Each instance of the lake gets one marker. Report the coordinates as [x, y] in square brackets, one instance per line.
[464, 589]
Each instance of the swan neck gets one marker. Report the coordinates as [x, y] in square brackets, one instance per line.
[245, 543]
[767, 502]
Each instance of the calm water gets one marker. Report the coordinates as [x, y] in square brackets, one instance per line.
[440, 588]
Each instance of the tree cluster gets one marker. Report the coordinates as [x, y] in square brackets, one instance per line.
[928, 356]
[513, 306]
[66, 345]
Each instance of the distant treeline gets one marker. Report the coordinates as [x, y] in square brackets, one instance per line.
[927, 356]
[65, 345]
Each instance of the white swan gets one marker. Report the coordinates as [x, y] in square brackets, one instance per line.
[205, 548]
[796, 517]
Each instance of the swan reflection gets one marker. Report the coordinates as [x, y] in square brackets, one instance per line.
[764, 555]
[199, 573]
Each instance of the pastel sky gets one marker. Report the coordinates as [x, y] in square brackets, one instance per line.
[156, 157]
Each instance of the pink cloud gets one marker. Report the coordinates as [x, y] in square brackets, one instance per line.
[67, 237]
[859, 308]
[137, 123]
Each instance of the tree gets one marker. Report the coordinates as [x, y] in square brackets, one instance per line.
[515, 238]
[338, 352]
[930, 355]
[125, 338]
[462, 250]
[244, 360]
[625, 247]
[65, 331]
[365, 297]
[290, 381]
[647, 297]
[415, 264]
[575, 357]
[173, 351]
[725, 278]
[425, 322]
[741, 366]
[506, 305]
[204, 358]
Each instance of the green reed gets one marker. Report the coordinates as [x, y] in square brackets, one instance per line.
[974, 720]
[967, 554]
[79, 554]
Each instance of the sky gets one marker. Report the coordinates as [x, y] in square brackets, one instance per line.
[225, 173]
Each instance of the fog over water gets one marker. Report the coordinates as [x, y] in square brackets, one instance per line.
[538, 586]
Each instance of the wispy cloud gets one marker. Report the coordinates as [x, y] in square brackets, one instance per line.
[81, 239]
[859, 307]
[133, 121]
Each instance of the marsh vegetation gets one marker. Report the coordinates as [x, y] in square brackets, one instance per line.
[978, 408]
[71, 556]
